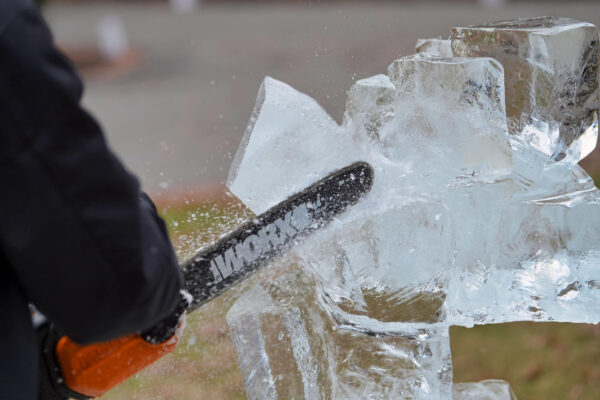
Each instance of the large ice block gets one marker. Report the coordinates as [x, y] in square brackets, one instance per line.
[551, 75]
[471, 219]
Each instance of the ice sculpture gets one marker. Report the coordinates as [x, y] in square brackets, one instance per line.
[479, 214]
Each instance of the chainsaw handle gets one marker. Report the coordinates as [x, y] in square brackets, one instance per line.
[94, 369]
[166, 328]
[72, 370]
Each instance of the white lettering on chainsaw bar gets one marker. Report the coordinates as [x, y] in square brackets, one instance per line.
[215, 272]
[269, 238]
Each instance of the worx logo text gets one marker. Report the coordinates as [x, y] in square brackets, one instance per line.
[269, 238]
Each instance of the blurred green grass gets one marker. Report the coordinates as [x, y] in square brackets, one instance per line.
[554, 361]
[551, 361]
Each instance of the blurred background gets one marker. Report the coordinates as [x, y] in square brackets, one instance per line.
[173, 83]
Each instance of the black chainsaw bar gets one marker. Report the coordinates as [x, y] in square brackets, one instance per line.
[239, 253]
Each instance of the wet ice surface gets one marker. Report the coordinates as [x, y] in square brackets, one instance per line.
[479, 214]
[551, 71]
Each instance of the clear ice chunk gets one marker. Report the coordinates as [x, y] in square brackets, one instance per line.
[367, 268]
[271, 339]
[289, 347]
[287, 133]
[490, 389]
[478, 214]
[551, 73]
[369, 103]
[451, 111]
[436, 47]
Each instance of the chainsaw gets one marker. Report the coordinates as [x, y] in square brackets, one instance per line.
[70, 370]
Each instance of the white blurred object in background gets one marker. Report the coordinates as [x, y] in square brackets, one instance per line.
[183, 6]
[492, 3]
[112, 38]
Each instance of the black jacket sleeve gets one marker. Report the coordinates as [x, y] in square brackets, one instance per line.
[85, 247]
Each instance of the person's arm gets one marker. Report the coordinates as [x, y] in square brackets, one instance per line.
[87, 249]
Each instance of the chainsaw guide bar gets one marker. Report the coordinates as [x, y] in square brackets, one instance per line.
[241, 252]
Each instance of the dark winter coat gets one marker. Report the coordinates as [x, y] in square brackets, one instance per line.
[76, 238]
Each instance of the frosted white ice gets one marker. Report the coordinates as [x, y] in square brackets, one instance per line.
[290, 143]
[478, 214]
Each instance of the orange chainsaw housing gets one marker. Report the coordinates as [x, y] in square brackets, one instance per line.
[94, 369]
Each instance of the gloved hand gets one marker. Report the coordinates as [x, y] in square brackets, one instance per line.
[173, 324]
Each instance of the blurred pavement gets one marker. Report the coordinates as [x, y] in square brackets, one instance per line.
[177, 118]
